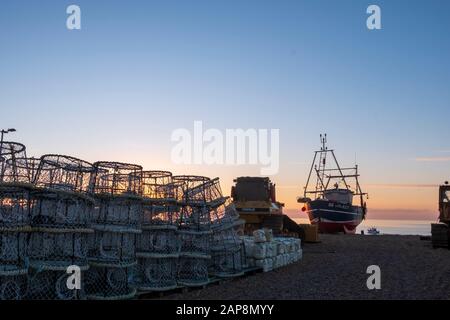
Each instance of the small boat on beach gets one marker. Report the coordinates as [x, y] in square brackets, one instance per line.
[328, 200]
[373, 231]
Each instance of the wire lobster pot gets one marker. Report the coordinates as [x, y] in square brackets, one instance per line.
[195, 218]
[112, 259]
[112, 245]
[157, 252]
[13, 267]
[194, 257]
[9, 153]
[61, 209]
[227, 253]
[116, 178]
[158, 245]
[156, 185]
[122, 211]
[15, 204]
[61, 172]
[158, 239]
[110, 281]
[60, 221]
[157, 272]
[193, 270]
[116, 221]
[227, 250]
[225, 215]
[14, 284]
[51, 283]
[21, 170]
[191, 189]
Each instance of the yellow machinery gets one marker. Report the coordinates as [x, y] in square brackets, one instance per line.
[255, 201]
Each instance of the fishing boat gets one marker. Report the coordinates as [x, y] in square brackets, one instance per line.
[373, 231]
[328, 201]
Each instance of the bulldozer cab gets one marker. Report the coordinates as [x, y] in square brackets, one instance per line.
[444, 203]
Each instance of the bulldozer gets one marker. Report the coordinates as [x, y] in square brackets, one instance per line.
[255, 201]
[440, 232]
[444, 203]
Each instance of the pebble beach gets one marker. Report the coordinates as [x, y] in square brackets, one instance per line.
[335, 268]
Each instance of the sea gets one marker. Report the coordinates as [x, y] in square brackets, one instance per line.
[400, 227]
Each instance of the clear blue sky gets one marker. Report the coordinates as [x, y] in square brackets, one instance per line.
[137, 70]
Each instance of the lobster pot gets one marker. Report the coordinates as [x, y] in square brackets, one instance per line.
[158, 239]
[13, 284]
[11, 154]
[13, 249]
[110, 281]
[194, 242]
[228, 262]
[63, 172]
[224, 214]
[118, 210]
[193, 270]
[157, 213]
[214, 195]
[15, 205]
[58, 247]
[54, 283]
[194, 218]
[112, 244]
[60, 209]
[21, 170]
[116, 178]
[227, 252]
[156, 272]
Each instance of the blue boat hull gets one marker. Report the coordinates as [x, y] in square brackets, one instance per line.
[334, 217]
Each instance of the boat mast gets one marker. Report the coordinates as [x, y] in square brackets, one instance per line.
[322, 163]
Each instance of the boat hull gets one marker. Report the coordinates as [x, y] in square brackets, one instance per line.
[334, 217]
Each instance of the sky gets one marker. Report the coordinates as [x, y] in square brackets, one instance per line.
[138, 70]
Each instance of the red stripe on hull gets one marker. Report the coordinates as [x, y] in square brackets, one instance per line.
[331, 227]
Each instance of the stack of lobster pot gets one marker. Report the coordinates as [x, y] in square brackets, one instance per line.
[60, 221]
[227, 248]
[194, 230]
[15, 204]
[157, 248]
[116, 217]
